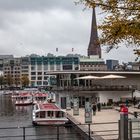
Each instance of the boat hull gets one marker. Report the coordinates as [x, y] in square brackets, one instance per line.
[49, 122]
[23, 104]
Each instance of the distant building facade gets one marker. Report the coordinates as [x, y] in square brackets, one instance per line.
[12, 71]
[39, 66]
[2, 57]
[92, 63]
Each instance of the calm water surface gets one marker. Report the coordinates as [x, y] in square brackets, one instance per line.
[20, 116]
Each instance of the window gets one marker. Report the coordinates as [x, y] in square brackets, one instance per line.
[39, 82]
[39, 78]
[33, 78]
[32, 67]
[46, 77]
[39, 67]
[45, 67]
[33, 73]
[39, 73]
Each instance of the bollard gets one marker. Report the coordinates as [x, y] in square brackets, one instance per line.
[123, 126]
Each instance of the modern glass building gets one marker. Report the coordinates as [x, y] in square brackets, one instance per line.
[40, 65]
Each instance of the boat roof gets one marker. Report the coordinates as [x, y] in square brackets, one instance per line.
[24, 94]
[49, 107]
[40, 94]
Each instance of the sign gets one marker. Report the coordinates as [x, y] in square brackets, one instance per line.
[68, 102]
[75, 106]
[88, 111]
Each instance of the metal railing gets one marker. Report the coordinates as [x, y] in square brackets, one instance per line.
[95, 88]
[56, 132]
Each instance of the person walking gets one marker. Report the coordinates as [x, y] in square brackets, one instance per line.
[99, 106]
[94, 108]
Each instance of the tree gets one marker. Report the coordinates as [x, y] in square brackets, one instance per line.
[9, 80]
[17, 81]
[24, 81]
[122, 21]
[1, 81]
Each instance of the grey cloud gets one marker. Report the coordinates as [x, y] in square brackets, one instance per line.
[36, 4]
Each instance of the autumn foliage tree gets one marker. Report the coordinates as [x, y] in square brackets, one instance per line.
[121, 23]
[24, 81]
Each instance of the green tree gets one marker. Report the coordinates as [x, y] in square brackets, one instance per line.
[121, 24]
[24, 81]
[1, 81]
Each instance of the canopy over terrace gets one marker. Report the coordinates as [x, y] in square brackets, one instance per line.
[87, 79]
[112, 77]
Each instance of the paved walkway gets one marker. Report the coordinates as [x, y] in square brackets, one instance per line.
[106, 121]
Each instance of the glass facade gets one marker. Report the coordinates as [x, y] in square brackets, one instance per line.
[40, 66]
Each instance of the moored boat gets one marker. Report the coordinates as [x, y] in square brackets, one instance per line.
[47, 114]
[40, 97]
[23, 98]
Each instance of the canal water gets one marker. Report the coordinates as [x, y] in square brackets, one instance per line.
[14, 118]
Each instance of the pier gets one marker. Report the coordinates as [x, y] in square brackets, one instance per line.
[104, 126]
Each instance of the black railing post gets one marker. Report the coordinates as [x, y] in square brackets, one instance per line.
[89, 131]
[57, 132]
[130, 130]
[23, 133]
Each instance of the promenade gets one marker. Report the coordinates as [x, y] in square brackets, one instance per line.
[104, 123]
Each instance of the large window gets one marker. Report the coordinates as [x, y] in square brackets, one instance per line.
[32, 67]
[52, 67]
[67, 67]
[39, 67]
[58, 67]
[45, 67]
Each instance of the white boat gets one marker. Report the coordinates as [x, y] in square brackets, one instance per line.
[47, 114]
[40, 97]
[23, 98]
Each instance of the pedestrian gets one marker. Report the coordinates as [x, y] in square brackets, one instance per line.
[127, 102]
[134, 101]
[99, 106]
[94, 108]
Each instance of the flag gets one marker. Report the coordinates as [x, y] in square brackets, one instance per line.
[56, 49]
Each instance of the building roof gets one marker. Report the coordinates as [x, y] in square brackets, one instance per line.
[92, 72]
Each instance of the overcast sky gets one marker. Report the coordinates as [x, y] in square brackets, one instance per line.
[41, 26]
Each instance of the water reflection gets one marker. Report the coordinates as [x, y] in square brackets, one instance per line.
[20, 116]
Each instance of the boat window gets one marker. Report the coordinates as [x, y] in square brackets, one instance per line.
[42, 114]
[50, 113]
[37, 115]
[59, 114]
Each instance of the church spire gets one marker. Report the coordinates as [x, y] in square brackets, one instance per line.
[94, 46]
